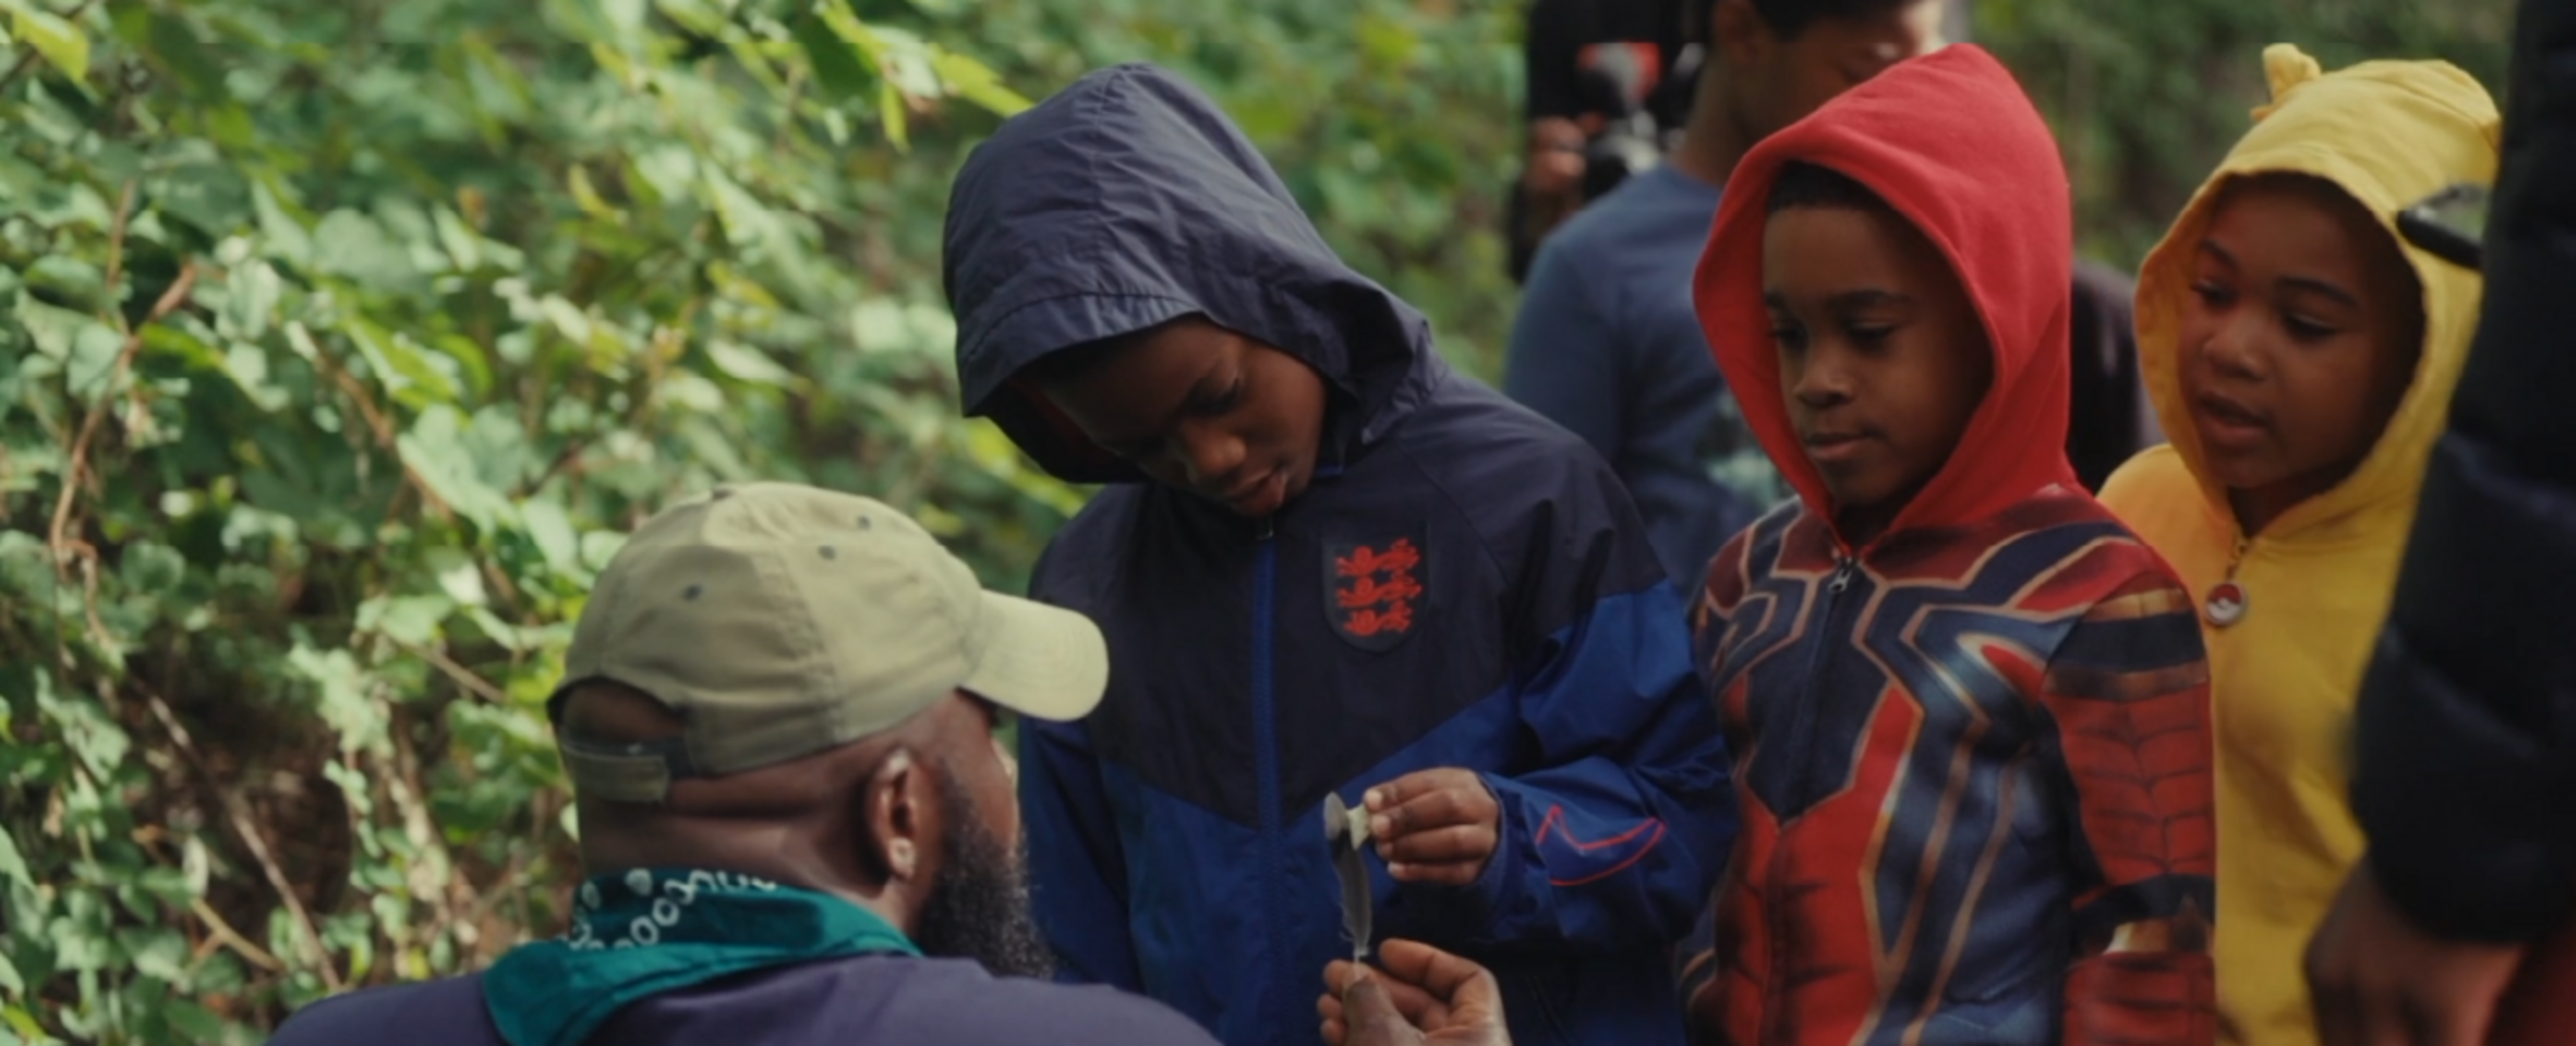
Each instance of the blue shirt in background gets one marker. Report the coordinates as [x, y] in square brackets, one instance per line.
[1606, 345]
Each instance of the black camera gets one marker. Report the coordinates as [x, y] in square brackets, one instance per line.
[1617, 83]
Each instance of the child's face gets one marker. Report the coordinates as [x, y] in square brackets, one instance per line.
[1882, 358]
[2298, 341]
[1207, 410]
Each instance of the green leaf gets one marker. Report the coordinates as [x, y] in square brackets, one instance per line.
[457, 575]
[83, 283]
[693, 15]
[891, 116]
[253, 290]
[974, 81]
[58, 40]
[463, 246]
[404, 368]
[353, 245]
[158, 953]
[435, 448]
[552, 531]
[746, 221]
[342, 700]
[195, 1023]
[744, 363]
[172, 45]
[412, 620]
[93, 359]
[152, 568]
[839, 66]
[13, 866]
[567, 318]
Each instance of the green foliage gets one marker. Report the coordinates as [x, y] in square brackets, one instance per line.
[2146, 98]
[343, 341]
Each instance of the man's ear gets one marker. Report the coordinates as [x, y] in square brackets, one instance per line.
[1738, 34]
[900, 819]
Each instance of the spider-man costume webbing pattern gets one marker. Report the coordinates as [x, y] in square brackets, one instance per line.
[1973, 751]
[1974, 775]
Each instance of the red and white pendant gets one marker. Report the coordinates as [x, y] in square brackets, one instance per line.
[2225, 605]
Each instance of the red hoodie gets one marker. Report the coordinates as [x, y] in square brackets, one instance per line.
[1973, 755]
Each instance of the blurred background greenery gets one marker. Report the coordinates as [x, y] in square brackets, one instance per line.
[343, 340]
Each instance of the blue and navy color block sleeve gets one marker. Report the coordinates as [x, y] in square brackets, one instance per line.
[1615, 843]
[1614, 840]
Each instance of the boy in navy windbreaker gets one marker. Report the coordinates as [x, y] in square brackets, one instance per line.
[1324, 564]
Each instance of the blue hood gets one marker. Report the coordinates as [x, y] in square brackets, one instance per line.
[1129, 200]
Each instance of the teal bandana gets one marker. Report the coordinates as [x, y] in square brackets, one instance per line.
[645, 932]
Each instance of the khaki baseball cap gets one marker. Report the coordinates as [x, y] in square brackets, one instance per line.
[782, 620]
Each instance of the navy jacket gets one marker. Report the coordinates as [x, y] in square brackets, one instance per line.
[2468, 719]
[871, 998]
[1175, 837]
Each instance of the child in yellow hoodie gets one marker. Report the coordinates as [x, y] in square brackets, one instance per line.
[2302, 356]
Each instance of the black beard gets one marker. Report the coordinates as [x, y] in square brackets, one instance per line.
[979, 908]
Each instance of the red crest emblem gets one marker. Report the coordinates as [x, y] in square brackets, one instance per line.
[1375, 592]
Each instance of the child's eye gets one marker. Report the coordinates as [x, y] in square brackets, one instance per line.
[2303, 329]
[1870, 334]
[2211, 294]
[1135, 451]
[1790, 338]
[1221, 403]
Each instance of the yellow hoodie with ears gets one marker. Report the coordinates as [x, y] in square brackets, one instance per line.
[2318, 580]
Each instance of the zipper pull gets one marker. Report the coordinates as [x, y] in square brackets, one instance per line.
[1843, 574]
[2225, 603]
[1268, 529]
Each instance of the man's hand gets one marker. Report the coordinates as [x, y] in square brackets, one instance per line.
[1435, 826]
[2379, 980]
[1423, 996]
[1555, 157]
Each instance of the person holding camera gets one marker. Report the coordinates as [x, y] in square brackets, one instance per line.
[1604, 76]
[1606, 343]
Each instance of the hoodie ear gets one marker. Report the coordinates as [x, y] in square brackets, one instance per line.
[2286, 67]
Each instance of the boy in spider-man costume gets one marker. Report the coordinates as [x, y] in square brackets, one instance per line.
[1970, 709]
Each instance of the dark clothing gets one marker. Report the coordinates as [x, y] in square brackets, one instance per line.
[873, 998]
[2468, 714]
[1463, 585]
[1560, 32]
[1607, 346]
[2110, 416]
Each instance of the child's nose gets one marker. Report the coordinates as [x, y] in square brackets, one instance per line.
[2234, 348]
[1821, 382]
[1210, 455]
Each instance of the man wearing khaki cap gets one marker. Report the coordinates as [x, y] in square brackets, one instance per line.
[777, 715]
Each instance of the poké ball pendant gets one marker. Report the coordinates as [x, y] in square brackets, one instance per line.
[2226, 604]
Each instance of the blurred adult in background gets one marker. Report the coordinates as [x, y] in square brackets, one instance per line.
[1606, 343]
[1606, 79]
[2456, 928]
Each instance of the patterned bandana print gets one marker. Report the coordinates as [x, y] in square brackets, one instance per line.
[645, 932]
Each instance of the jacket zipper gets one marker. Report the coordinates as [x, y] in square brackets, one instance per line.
[1774, 986]
[1265, 754]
